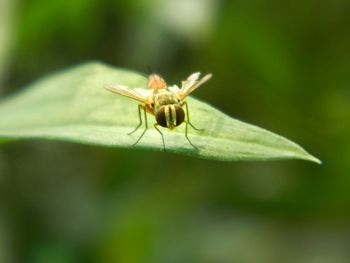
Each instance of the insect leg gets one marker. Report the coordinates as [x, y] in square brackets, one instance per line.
[155, 126]
[186, 135]
[146, 124]
[140, 123]
[188, 117]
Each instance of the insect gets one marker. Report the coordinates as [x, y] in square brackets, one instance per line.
[165, 102]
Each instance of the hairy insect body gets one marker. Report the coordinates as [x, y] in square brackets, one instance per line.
[164, 97]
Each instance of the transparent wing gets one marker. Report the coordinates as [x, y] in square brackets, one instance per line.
[191, 83]
[139, 94]
[174, 89]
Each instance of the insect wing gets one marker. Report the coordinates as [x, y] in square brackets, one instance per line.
[174, 89]
[139, 94]
[191, 83]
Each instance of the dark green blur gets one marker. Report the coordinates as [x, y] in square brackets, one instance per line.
[282, 65]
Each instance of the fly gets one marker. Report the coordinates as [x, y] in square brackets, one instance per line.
[165, 103]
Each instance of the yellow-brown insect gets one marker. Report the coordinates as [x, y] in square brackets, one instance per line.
[165, 103]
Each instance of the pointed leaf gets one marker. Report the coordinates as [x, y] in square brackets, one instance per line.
[73, 105]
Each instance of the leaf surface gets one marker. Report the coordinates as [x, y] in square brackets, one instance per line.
[72, 105]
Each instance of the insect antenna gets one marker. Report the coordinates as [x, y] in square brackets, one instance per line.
[150, 70]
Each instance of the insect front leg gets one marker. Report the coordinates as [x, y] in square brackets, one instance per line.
[138, 126]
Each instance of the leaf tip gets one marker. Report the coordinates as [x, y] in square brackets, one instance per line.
[315, 160]
[308, 157]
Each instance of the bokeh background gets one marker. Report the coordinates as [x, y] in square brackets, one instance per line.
[282, 65]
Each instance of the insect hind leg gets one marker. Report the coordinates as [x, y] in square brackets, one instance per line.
[186, 135]
[156, 127]
[187, 122]
[188, 117]
[140, 123]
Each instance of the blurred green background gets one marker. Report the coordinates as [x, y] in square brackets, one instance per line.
[282, 65]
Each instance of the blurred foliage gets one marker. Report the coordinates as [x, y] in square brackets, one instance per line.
[6, 26]
[281, 65]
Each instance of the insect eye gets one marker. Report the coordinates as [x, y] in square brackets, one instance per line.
[160, 117]
[180, 115]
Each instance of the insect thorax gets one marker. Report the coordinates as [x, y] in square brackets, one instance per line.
[164, 97]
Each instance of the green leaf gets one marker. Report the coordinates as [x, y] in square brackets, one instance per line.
[73, 105]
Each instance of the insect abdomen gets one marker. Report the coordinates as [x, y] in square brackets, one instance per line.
[170, 116]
